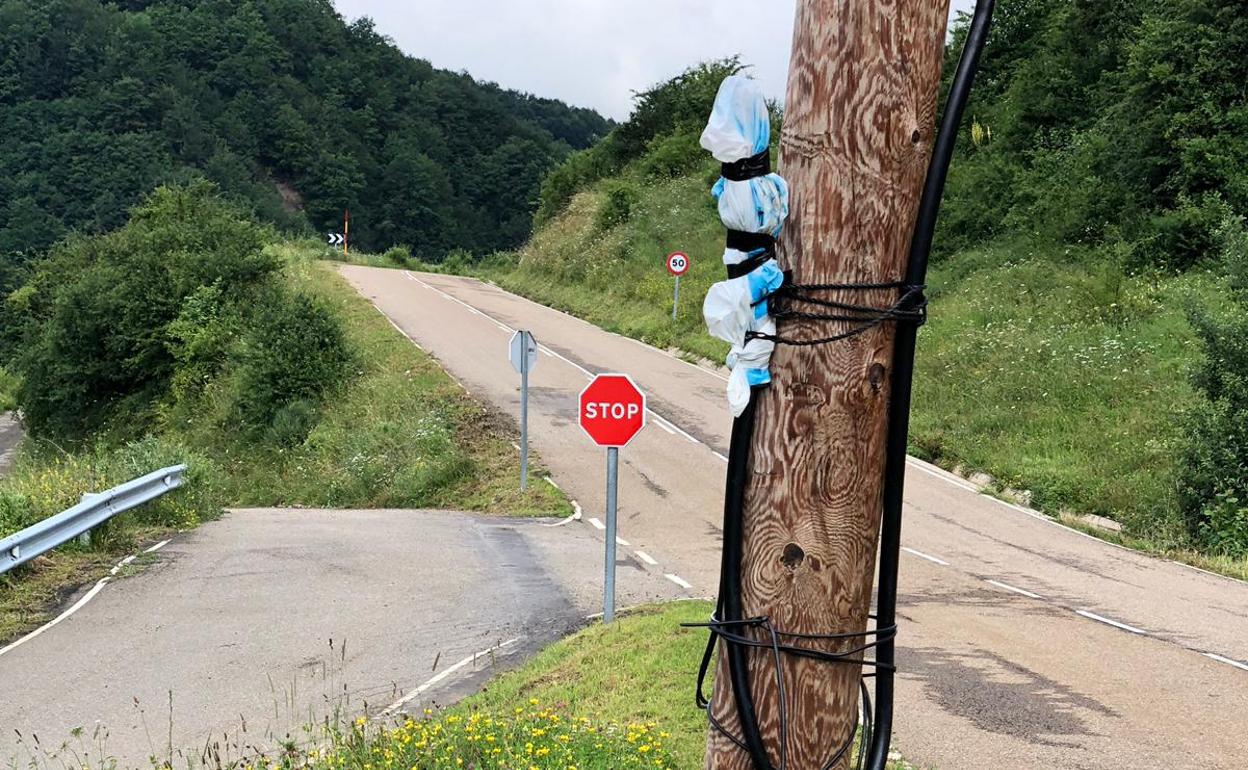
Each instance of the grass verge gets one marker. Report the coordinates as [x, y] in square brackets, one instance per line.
[8, 388]
[607, 697]
[399, 434]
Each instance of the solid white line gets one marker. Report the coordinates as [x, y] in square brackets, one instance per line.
[1114, 623]
[1227, 661]
[544, 350]
[597, 524]
[720, 455]
[663, 424]
[678, 580]
[157, 547]
[576, 516]
[401, 702]
[929, 557]
[88, 596]
[647, 558]
[551, 482]
[1015, 589]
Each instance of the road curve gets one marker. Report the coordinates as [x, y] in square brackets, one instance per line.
[1023, 644]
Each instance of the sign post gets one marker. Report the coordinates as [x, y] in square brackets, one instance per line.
[346, 231]
[523, 354]
[612, 413]
[678, 263]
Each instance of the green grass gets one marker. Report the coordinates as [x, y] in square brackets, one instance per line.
[401, 433]
[1052, 370]
[608, 697]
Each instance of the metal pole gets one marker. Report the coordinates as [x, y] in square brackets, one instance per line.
[676, 298]
[524, 411]
[608, 583]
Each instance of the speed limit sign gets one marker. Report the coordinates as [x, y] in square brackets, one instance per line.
[678, 263]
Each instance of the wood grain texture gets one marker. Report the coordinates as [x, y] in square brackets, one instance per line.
[858, 133]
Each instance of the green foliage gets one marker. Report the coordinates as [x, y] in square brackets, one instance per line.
[294, 113]
[8, 390]
[399, 256]
[619, 200]
[100, 331]
[1214, 484]
[663, 128]
[1110, 122]
[292, 355]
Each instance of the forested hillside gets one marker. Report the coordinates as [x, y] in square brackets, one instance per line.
[291, 111]
[1087, 340]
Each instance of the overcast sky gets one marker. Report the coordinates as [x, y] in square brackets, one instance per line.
[591, 53]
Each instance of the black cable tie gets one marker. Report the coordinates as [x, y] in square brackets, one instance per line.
[748, 168]
[747, 266]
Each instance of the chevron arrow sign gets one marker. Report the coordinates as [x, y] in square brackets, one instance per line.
[336, 239]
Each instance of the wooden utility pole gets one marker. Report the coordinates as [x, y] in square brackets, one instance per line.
[858, 133]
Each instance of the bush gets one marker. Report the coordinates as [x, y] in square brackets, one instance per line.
[95, 347]
[617, 207]
[1214, 484]
[398, 255]
[292, 355]
[673, 155]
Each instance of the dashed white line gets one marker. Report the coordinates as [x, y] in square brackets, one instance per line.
[678, 580]
[1114, 623]
[597, 524]
[622, 541]
[647, 558]
[1227, 661]
[927, 556]
[433, 682]
[1015, 589]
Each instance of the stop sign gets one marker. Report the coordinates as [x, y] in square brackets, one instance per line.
[612, 410]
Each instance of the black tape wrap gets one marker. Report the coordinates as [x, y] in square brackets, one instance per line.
[748, 168]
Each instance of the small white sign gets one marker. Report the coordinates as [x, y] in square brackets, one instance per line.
[523, 347]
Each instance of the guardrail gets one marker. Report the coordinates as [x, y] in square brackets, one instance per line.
[95, 509]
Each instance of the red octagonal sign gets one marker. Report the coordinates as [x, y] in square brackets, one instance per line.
[612, 410]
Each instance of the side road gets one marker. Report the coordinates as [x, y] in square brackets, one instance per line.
[239, 633]
[1021, 640]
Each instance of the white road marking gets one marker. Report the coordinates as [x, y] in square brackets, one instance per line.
[929, 557]
[517, 446]
[622, 541]
[663, 424]
[117, 567]
[1114, 623]
[551, 482]
[647, 558]
[678, 580]
[157, 547]
[1227, 661]
[576, 516]
[544, 350]
[433, 682]
[1015, 589]
[597, 524]
[88, 596]
[720, 455]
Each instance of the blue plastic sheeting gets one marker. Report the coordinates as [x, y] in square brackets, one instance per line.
[739, 128]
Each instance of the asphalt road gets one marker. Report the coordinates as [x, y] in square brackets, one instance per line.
[1023, 644]
[239, 633]
[10, 437]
